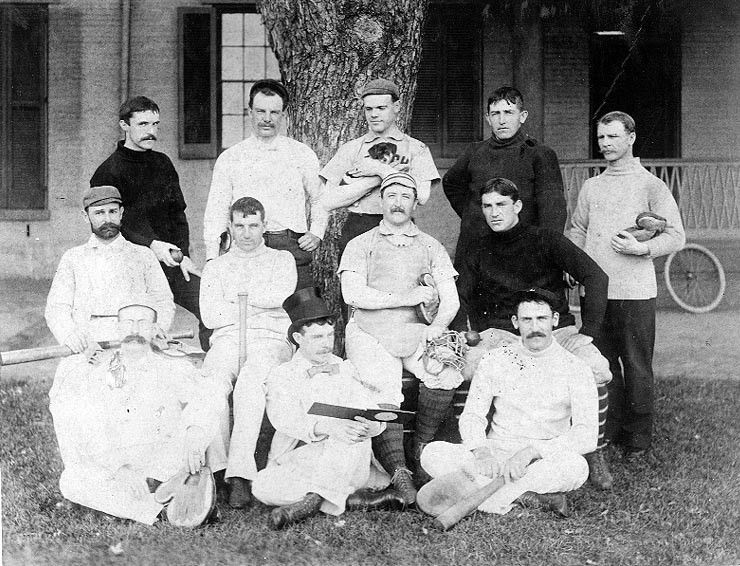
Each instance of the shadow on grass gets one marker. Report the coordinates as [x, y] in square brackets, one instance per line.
[681, 505]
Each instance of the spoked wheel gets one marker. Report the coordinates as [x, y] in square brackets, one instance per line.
[695, 278]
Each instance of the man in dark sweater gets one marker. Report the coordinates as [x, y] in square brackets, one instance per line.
[511, 154]
[516, 256]
[154, 206]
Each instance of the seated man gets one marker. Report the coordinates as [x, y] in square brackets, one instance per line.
[515, 256]
[138, 418]
[546, 416]
[318, 463]
[268, 276]
[380, 272]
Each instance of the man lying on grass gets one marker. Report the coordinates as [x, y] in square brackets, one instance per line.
[139, 419]
[318, 463]
[546, 417]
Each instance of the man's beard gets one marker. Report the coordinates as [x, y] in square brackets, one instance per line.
[106, 231]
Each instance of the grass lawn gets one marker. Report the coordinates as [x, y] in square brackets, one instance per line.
[680, 506]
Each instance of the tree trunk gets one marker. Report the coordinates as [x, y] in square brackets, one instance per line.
[327, 51]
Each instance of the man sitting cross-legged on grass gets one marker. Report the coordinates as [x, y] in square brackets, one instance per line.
[546, 417]
[318, 463]
[139, 418]
[513, 256]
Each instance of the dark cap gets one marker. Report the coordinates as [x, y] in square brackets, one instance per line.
[380, 86]
[304, 306]
[95, 196]
[273, 85]
[536, 295]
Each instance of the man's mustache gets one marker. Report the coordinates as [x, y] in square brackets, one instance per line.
[536, 335]
[135, 339]
[397, 209]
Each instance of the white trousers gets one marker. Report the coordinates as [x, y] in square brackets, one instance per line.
[222, 364]
[330, 468]
[566, 472]
[381, 371]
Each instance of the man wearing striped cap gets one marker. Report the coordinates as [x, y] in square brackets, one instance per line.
[380, 273]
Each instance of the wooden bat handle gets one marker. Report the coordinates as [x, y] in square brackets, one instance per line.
[13, 357]
[243, 304]
[462, 509]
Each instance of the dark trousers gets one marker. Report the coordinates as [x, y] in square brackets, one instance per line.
[627, 340]
[288, 240]
[187, 295]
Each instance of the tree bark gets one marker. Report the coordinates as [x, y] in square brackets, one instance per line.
[327, 50]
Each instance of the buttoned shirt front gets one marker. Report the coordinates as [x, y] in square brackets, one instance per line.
[281, 174]
[354, 153]
[94, 280]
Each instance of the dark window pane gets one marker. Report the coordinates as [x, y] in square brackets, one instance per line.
[25, 154]
[196, 77]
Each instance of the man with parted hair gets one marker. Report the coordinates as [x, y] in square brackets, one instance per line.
[155, 206]
[606, 204]
[512, 154]
[268, 276]
[280, 172]
[515, 255]
[545, 416]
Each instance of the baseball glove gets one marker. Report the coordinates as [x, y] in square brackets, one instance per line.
[446, 351]
[190, 498]
[428, 312]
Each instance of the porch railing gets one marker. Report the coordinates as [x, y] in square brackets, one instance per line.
[708, 192]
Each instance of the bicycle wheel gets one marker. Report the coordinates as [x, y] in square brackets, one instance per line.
[695, 278]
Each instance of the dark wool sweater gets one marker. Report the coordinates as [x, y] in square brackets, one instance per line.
[522, 258]
[532, 167]
[152, 199]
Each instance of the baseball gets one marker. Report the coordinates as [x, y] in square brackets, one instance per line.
[176, 255]
[472, 338]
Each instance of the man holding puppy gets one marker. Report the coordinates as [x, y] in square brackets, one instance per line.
[545, 419]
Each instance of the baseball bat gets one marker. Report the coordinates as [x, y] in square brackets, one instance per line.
[457, 512]
[13, 357]
[242, 328]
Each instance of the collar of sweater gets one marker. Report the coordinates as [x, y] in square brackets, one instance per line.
[519, 138]
[509, 235]
[241, 254]
[130, 154]
[625, 168]
[551, 350]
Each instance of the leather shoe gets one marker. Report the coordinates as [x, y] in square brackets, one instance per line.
[367, 500]
[402, 481]
[555, 502]
[281, 517]
[240, 496]
[598, 470]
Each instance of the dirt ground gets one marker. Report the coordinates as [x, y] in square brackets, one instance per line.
[705, 346]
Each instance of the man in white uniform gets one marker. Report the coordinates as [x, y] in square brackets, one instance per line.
[318, 463]
[268, 276]
[138, 419]
[545, 419]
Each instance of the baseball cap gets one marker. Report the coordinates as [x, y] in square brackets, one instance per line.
[95, 196]
[398, 178]
[380, 86]
[273, 85]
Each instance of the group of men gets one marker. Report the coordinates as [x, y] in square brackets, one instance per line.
[269, 336]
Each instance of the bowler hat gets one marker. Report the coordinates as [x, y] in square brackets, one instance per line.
[304, 306]
[273, 85]
[380, 86]
[537, 295]
[95, 196]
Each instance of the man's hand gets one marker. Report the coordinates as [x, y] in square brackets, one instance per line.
[625, 243]
[342, 430]
[373, 428]
[575, 341]
[76, 341]
[485, 464]
[195, 448]
[162, 251]
[418, 295]
[187, 267]
[133, 482]
[309, 242]
[434, 331]
[515, 467]
[570, 281]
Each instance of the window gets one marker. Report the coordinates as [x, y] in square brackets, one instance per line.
[447, 109]
[222, 53]
[22, 110]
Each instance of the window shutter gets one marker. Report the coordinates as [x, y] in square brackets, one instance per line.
[197, 101]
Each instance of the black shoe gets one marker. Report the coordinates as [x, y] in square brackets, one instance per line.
[598, 470]
[555, 502]
[281, 517]
[402, 481]
[241, 493]
[367, 500]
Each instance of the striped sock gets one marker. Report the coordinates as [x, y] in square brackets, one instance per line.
[603, 408]
[388, 448]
